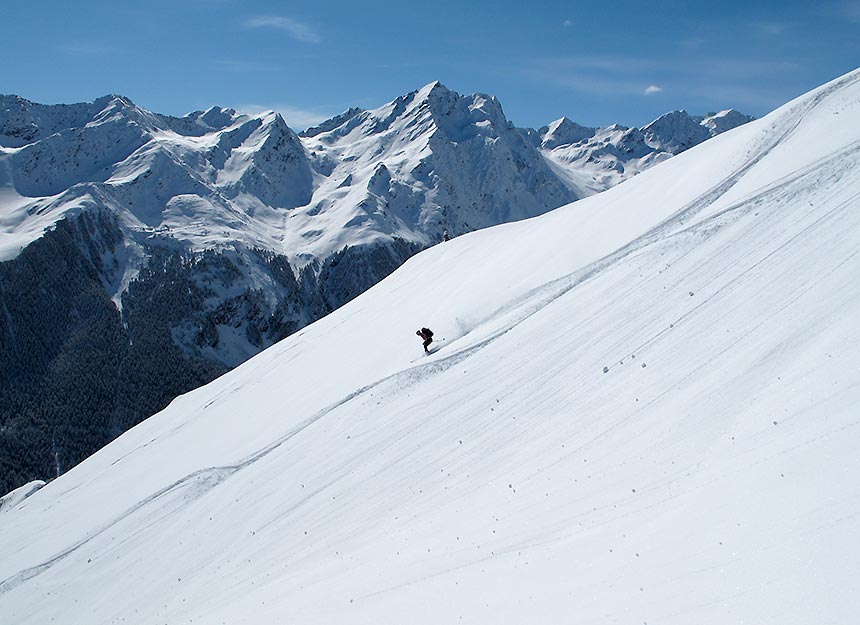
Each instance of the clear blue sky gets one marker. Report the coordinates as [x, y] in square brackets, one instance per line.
[595, 62]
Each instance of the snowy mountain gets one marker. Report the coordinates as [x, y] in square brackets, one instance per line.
[147, 254]
[642, 407]
[427, 162]
[595, 159]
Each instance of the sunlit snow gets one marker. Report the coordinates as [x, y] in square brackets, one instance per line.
[642, 408]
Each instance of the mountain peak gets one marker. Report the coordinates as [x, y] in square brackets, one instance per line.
[23, 121]
[678, 114]
[115, 103]
[432, 89]
[216, 116]
[563, 131]
[677, 130]
[725, 120]
[334, 122]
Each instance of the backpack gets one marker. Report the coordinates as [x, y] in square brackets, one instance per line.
[427, 332]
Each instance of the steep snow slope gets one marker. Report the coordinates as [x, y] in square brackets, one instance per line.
[642, 409]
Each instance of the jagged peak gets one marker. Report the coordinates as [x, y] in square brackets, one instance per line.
[563, 131]
[720, 113]
[216, 116]
[7, 99]
[23, 121]
[115, 102]
[679, 114]
[555, 125]
[728, 113]
[725, 120]
[432, 89]
[115, 107]
[335, 122]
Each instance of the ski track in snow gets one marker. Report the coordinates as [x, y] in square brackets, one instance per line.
[553, 293]
[204, 480]
[729, 254]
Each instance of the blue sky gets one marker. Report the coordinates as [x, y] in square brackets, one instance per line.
[595, 62]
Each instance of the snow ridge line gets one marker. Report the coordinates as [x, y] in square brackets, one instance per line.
[789, 120]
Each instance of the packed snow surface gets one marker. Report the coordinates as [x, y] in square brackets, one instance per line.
[641, 408]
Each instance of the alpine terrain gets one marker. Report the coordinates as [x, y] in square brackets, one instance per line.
[143, 255]
[641, 408]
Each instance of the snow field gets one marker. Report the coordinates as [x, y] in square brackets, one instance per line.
[709, 475]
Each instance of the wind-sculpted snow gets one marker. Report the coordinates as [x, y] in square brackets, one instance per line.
[641, 407]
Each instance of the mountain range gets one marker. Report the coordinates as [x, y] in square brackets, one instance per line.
[640, 407]
[146, 254]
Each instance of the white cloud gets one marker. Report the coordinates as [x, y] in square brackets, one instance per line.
[652, 89]
[294, 28]
[297, 118]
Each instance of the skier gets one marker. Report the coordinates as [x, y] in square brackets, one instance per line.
[445, 236]
[427, 335]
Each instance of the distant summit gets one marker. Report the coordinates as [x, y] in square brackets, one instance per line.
[678, 131]
[725, 120]
[563, 132]
[594, 159]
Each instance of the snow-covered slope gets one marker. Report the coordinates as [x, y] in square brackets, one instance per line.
[642, 408]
